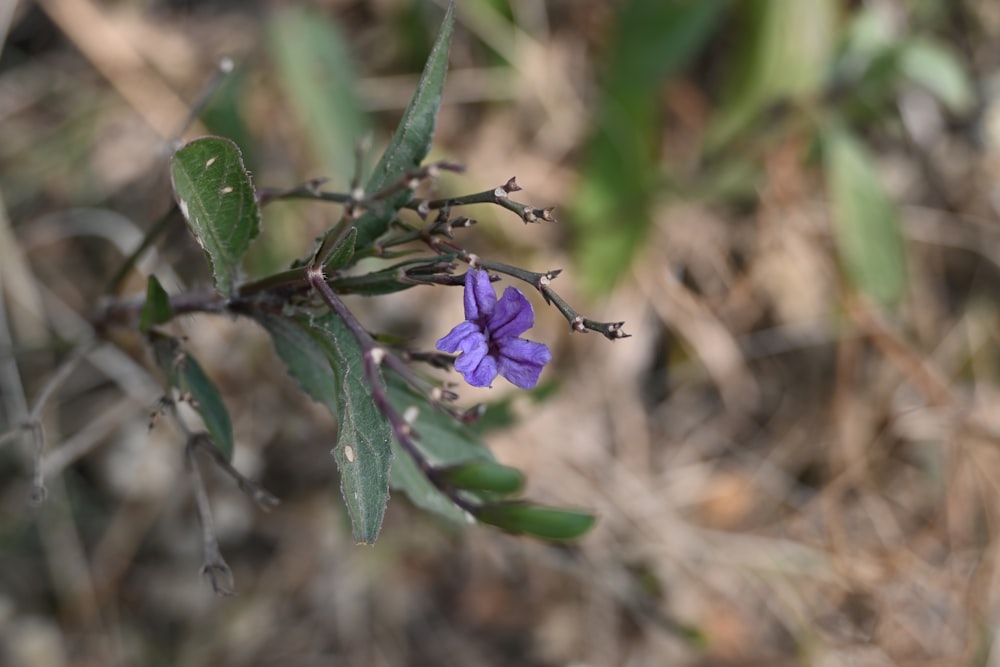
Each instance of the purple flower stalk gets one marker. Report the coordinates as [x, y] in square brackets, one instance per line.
[488, 338]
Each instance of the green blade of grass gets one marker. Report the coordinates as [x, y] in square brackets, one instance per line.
[865, 220]
[412, 139]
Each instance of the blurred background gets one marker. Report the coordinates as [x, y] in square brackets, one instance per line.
[793, 204]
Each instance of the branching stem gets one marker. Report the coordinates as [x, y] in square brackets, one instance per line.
[541, 282]
[375, 356]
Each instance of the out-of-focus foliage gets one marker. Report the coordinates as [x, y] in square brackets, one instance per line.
[315, 68]
[791, 67]
[865, 221]
[652, 41]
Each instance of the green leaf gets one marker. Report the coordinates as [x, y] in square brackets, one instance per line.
[364, 436]
[208, 402]
[483, 476]
[787, 53]
[397, 277]
[653, 40]
[186, 374]
[936, 67]
[522, 517]
[157, 309]
[343, 252]
[865, 221]
[316, 69]
[412, 140]
[443, 441]
[216, 196]
[323, 357]
[305, 360]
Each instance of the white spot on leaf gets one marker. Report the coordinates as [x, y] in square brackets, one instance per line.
[349, 453]
[210, 162]
[226, 190]
[410, 414]
[184, 207]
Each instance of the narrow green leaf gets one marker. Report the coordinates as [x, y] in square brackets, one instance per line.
[364, 437]
[341, 255]
[483, 476]
[318, 74]
[216, 196]
[157, 308]
[208, 402]
[305, 360]
[521, 517]
[787, 53]
[653, 40]
[187, 376]
[412, 139]
[865, 221]
[397, 277]
[444, 441]
[936, 67]
[323, 357]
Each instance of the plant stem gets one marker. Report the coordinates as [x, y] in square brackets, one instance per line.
[375, 356]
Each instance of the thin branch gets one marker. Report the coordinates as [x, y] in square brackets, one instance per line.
[126, 312]
[355, 203]
[223, 69]
[59, 377]
[149, 238]
[214, 566]
[356, 198]
[83, 441]
[32, 423]
[264, 499]
[500, 196]
[441, 226]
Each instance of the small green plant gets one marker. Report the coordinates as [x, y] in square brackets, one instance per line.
[397, 425]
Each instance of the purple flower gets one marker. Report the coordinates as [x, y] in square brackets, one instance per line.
[488, 338]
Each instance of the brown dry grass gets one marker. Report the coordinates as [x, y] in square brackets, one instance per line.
[823, 490]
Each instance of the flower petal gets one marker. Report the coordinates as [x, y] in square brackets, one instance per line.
[521, 361]
[512, 316]
[462, 338]
[479, 295]
[476, 365]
